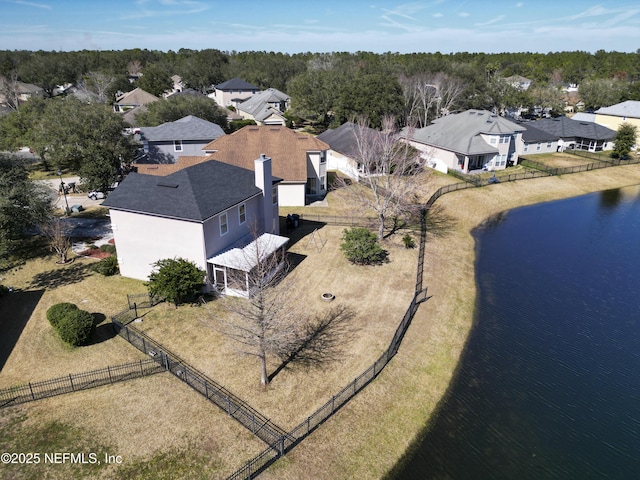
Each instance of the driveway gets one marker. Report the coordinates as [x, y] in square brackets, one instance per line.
[72, 198]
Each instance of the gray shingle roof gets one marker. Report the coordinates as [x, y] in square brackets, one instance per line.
[236, 84]
[630, 108]
[187, 128]
[533, 134]
[341, 139]
[259, 104]
[460, 132]
[195, 193]
[564, 127]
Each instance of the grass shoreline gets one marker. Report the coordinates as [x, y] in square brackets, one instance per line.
[374, 432]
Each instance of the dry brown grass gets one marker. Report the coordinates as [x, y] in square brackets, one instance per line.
[160, 427]
[378, 294]
[39, 353]
[370, 434]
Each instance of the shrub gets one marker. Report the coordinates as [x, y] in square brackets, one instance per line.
[107, 266]
[361, 246]
[408, 241]
[56, 313]
[77, 327]
[176, 280]
[107, 247]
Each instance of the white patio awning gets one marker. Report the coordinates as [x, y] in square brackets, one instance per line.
[246, 258]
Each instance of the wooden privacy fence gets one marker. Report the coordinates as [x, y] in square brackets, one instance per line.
[77, 381]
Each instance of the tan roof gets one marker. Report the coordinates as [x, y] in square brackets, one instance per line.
[163, 169]
[287, 149]
[137, 96]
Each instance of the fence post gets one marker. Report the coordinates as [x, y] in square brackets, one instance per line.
[126, 329]
[228, 405]
[109, 371]
[249, 470]
[333, 400]
[33, 397]
[144, 345]
[71, 381]
[308, 424]
[282, 445]
[141, 370]
[135, 309]
[253, 423]
[206, 390]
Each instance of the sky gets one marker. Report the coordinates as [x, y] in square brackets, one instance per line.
[445, 26]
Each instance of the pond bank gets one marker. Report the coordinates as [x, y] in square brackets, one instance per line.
[370, 435]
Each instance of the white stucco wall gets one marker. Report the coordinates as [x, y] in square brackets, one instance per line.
[142, 240]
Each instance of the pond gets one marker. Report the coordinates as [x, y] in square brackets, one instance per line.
[549, 383]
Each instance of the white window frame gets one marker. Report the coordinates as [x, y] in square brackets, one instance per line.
[242, 213]
[493, 139]
[504, 138]
[177, 146]
[224, 224]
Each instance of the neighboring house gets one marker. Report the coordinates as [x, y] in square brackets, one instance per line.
[519, 82]
[299, 159]
[574, 134]
[187, 136]
[266, 107]
[209, 213]
[342, 149]
[467, 141]
[615, 115]
[235, 90]
[535, 140]
[177, 86]
[133, 99]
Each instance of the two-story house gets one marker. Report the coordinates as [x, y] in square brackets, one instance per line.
[299, 159]
[184, 137]
[467, 141]
[233, 91]
[213, 214]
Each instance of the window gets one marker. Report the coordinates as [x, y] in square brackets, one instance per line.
[177, 145]
[538, 146]
[323, 157]
[526, 147]
[311, 186]
[224, 226]
[242, 213]
[548, 144]
[493, 140]
[322, 186]
[274, 195]
[504, 138]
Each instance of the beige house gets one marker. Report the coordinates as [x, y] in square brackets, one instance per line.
[299, 159]
[265, 108]
[135, 98]
[467, 141]
[615, 115]
[233, 91]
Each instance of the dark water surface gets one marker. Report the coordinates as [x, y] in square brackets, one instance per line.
[549, 384]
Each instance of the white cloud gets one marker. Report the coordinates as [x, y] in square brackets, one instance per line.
[438, 15]
[464, 14]
[490, 22]
[31, 4]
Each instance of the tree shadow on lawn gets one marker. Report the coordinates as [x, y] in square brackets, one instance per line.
[15, 311]
[62, 276]
[303, 230]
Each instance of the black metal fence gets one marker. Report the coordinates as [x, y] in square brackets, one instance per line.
[249, 417]
[142, 300]
[287, 441]
[75, 382]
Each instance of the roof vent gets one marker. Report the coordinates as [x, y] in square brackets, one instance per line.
[165, 183]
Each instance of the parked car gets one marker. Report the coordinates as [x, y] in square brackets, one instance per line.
[95, 195]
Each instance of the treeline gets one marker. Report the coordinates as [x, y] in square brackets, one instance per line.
[332, 87]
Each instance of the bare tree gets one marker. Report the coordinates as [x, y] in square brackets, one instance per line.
[390, 167]
[134, 67]
[9, 89]
[266, 324]
[57, 235]
[99, 83]
[429, 96]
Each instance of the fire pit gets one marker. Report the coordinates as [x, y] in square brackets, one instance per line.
[328, 297]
